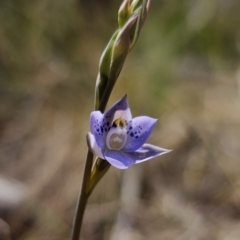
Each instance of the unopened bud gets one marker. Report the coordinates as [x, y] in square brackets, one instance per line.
[124, 13]
[135, 4]
[145, 12]
[121, 48]
[105, 60]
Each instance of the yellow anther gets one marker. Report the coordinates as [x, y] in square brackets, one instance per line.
[120, 123]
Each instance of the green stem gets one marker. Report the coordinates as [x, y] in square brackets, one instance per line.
[99, 170]
[83, 198]
[106, 95]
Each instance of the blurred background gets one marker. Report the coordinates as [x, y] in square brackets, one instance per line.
[184, 70]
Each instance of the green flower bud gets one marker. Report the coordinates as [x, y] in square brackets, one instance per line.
[106, 57]
[115, 53]
[104, 68]
[124, 13]
[135, 4]
[141, 11]
[120, 49]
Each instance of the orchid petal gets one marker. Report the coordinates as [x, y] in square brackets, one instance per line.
[93, 146]
[119, 110]
[146, 152]
[96, 125]
[118, 159]
[138, 131]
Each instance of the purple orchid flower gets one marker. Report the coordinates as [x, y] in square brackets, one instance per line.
[119, 139]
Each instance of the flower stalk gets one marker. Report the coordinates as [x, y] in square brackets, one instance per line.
[131, 17]
[83, 198]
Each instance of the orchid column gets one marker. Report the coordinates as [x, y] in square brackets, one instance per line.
[131, 17]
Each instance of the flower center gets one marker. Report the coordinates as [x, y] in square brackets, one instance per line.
[117, 136]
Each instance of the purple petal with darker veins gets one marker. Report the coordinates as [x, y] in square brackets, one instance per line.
[96, 125]
[146, 152]
[119, 109]
[118, 159]
[138, 131]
